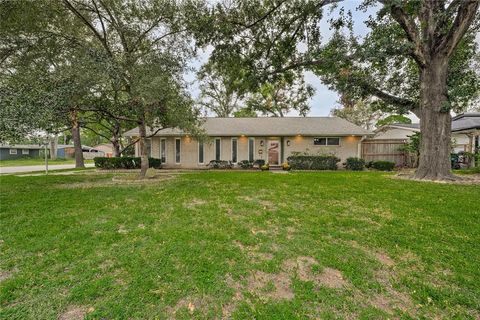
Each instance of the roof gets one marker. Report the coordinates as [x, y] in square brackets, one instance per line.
[21, 146]
[466, 121]
[265, 126]
[414, 127]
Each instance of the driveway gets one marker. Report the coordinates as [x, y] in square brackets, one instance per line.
[20, 169]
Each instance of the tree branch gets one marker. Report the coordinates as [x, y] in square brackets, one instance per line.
[465, 16]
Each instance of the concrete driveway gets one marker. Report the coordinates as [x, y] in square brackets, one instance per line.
[20, 169]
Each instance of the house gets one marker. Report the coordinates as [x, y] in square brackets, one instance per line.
[67, 151]
[402, 131]
[270, 139]
[18, 151]
[106, 148]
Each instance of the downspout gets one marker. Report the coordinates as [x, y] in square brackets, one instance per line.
[359, 147]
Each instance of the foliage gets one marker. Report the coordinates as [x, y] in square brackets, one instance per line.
[259, 162]
[286, 166]
[220, 164]
[382, 165]
[394, 118]
[355, 164]
[125, 163]
[361, 112]
[265, 167]
[218, 93]
[245, 113]
[281, 97]
[245, 164]
[313, 162]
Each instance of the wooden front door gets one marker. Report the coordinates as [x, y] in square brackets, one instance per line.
[274, 152]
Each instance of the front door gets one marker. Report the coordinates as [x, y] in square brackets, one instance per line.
[274, 152]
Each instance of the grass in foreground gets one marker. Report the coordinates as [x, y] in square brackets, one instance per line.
[37, 161]
[238, 245]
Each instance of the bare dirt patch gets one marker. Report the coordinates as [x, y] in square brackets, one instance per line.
[253, 253]
[4, 275]
[191, 304]
[195, 203]
[456, 179]
[276, 286]
[329, 277]
[75, 313]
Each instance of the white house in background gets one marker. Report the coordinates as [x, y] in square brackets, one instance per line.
[465, 131]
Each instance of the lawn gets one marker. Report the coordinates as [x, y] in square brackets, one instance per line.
[256, 245]
[36, 161]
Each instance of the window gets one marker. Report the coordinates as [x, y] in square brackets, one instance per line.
[251, 149]
[13, 151]
[201, 152]
[218, 148]
[234, 150]
[25, 151]
[326, 141]
[163, 150]
[148, 144]
[177, 150]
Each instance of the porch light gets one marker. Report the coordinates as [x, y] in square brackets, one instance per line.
[288, 143]
[261, 143]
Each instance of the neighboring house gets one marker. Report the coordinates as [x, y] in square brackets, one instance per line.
[106, 148]
[68, 152]
[401, 131]
[270, 139]
[18, 151]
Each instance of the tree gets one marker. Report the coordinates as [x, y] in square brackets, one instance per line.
[416, 58]
[218, 94]
[361, 112]
[147, 45]
[394, 118]
[245, 113]
[281, 97]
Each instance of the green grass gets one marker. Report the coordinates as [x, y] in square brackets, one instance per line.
[36, 161]
[256, 245]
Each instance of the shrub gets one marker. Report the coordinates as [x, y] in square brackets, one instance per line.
[286, 166]
[382, 165]
[313, 162]
[245, 164]
[125, 163]
[355, 164]
[219, 164]
[259, 163]
[265, 167]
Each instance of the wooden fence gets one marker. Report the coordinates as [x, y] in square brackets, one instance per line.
[389, 150]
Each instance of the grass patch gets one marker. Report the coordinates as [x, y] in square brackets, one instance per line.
[37, 161]
[475, 170]
[328, 245]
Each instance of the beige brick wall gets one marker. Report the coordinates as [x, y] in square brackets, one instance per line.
[189, 149]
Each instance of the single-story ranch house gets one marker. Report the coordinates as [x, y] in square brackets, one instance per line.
[270, 139]
[12, 152]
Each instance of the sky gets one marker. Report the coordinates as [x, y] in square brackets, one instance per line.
[324, 99]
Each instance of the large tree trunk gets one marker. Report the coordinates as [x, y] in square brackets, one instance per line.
[77, 143]
[435, 122]
[143, 149]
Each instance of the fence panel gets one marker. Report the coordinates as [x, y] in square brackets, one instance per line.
[389, 150]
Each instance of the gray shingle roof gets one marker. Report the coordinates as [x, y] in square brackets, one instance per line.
[466, 121]
[264, 126]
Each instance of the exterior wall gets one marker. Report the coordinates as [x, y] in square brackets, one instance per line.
[5, 154]
[349, 147]
[189, 149]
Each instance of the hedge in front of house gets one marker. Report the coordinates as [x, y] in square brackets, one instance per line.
[313, 162]
[382, 165]
[125, 163]
[355, 164]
